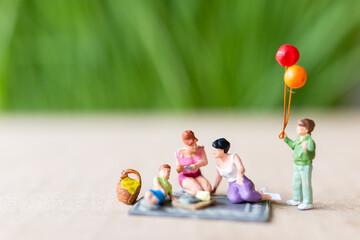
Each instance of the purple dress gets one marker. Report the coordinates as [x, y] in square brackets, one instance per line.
[239, 193]
[243, 193]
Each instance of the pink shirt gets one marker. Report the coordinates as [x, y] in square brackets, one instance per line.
[187, 161]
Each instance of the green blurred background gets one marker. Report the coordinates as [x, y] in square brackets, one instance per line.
[85, 55]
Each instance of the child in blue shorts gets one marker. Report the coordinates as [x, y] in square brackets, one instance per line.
[161, 189]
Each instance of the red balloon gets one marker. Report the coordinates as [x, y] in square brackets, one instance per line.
[287, 55]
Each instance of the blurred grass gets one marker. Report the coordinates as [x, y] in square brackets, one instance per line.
[179, 54]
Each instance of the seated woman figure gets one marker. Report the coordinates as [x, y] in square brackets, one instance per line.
[241, 189]
[189, 160]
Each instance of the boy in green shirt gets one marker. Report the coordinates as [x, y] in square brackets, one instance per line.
[161, 189]
[304, 153]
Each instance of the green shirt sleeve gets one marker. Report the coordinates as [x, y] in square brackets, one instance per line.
[309, 153]
[311, 145]
[290, 142]
[155, 180]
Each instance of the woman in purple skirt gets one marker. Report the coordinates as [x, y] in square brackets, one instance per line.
[241, 189]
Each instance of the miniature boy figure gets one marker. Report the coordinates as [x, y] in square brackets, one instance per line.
[304, 153]
[161, 189]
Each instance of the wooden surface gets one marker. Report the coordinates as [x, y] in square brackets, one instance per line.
[59, 174]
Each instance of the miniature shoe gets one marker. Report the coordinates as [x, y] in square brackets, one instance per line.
[292, 202]
[275, 196]
[304, 206]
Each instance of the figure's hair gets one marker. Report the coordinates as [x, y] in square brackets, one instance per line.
[221, 143]
[307, 123]
[164, 166]
[188, 137]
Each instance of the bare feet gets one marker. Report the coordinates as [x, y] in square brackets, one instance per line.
[269, 196]
[265, 196]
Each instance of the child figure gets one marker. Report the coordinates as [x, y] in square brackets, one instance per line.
[304, 153]
[241, 189]
[161, 189]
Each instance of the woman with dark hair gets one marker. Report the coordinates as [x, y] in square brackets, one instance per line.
[241, 189]
[189, 160]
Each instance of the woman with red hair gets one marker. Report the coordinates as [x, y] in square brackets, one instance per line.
[189, 160]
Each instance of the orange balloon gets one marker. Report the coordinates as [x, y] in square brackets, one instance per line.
[295, 77]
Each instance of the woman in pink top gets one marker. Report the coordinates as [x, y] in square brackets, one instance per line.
[189, 160]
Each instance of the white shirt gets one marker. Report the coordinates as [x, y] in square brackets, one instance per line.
[230, 172]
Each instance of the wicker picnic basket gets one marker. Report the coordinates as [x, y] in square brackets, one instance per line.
[122, 193]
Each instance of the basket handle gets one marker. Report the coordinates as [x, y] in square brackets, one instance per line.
[127, 171]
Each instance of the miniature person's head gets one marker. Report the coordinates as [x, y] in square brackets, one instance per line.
[305, 126]
[164, 171]
[221, 146]
[189, 138]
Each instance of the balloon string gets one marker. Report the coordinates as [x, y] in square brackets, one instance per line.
[281, 136]
[286, 115]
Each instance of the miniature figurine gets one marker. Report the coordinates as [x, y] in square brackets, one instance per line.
[241, 189]
[189, 160]
[304, 153]
[161, 189]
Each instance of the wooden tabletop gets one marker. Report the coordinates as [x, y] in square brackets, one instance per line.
[59, 174]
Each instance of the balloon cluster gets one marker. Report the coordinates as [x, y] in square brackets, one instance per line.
[294, 77]
[287, 56]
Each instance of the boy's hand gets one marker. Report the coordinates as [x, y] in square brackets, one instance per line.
[305, 145]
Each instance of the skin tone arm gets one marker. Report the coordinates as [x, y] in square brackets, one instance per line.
[158, 186]
[179, 167]
[217, 182]
[201, 163]
[241, 170]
